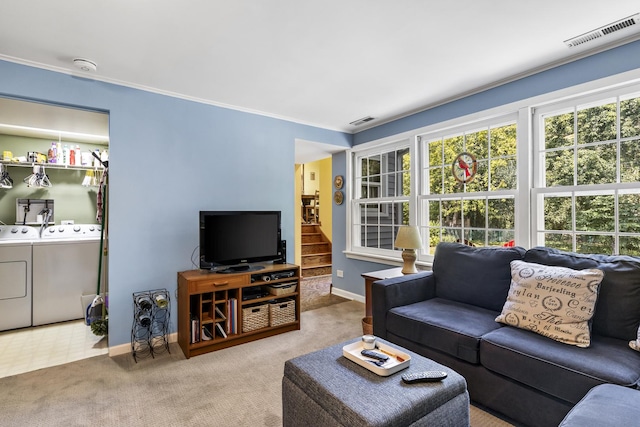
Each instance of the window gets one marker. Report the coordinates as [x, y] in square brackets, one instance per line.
[381, 200]
[563, 173]
[480, 212]
[587, 193]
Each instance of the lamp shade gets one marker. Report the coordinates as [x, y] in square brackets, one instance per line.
[408, 238]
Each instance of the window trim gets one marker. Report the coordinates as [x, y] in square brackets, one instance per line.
[525, 109]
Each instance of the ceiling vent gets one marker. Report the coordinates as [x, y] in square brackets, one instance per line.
[607, 30]
[362, 121]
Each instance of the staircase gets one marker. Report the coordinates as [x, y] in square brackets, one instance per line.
[316, 252]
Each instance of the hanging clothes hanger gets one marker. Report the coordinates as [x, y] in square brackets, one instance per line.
[5, 179]
[38, 178]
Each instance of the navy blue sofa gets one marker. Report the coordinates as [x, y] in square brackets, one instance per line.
[448, 314]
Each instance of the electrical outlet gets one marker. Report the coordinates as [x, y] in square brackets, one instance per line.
[340, 273]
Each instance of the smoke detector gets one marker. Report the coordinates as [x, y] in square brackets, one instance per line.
[85, 64]
[628, 24]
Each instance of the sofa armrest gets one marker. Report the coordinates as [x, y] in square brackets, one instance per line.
[398, 291]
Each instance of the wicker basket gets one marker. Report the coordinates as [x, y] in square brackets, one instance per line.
[282, 289]
[282, 312]
[255, 317]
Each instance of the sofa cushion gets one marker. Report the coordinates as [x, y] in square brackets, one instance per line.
[606, 405]
[563, 371]
[448, 326]
[476, 276]
[618, 308]
[556, 302]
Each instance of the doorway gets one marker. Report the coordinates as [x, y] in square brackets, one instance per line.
[29, 132]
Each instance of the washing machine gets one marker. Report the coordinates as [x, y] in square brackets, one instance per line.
[65, 267]
[16, 258]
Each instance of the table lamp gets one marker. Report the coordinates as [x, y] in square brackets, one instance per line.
[408, 239]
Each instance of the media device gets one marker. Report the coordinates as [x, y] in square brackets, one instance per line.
[283, 252]
[232, 240]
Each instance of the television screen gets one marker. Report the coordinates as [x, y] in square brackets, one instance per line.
[232, 238]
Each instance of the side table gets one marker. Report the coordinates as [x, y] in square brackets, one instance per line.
[369, 278]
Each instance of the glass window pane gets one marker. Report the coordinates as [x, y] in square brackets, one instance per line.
[597, 124]
[390, 162]
[434, 239]
[474, 213]
[630, 245]
[559, 168]
[557, 213]
[500, 237]
[558, 131]
[452, 147]
[479, 182]
[434, 213]
[387, 237]
[452, 213]
[630, 118]
[595, 244]
[405, 160]
[630, 161]
[503, 174]
[450, 234]
[404, 179]
[451, 185]
[629, 213]
[435, 180]
[477, 143]
[503, 141]
[595, 213]
[474, 237]
[501, 213]
[563, 242]
[597, 165]
[435, 153]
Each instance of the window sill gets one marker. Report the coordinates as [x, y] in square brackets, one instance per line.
[387, 260]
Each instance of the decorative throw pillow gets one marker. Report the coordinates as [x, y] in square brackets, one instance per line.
[635, 344]
[556, 302]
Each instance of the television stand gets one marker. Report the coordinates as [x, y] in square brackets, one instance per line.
[220, 311]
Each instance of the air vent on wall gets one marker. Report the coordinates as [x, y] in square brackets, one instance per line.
[607, 30]
[362, 121]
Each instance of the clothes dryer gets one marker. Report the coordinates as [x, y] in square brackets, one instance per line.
[16, 256]
[65, 267]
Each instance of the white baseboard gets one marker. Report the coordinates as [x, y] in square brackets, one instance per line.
[346, 294]
[118, 350]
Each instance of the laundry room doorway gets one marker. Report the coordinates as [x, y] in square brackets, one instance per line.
[52, 177]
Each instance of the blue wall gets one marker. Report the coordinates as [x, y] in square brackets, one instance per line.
[608, 63]
[168, 159]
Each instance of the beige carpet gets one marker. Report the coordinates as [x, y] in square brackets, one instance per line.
[238, 386]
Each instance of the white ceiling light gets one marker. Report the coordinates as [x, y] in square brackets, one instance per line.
[85, 64]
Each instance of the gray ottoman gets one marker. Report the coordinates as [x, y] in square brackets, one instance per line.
[606, 405]
[324, 388]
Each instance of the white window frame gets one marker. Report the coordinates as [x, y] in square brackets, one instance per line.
[539, 189]
[354, 191]
[527, 165]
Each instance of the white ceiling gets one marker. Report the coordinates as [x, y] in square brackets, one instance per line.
[324, 63]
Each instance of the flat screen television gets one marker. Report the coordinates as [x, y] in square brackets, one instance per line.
[233, 240]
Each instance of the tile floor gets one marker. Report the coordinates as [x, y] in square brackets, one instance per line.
[29, 349]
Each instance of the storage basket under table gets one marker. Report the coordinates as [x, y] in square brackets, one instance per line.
[255, 317]
[282, 288]
[282, 312]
